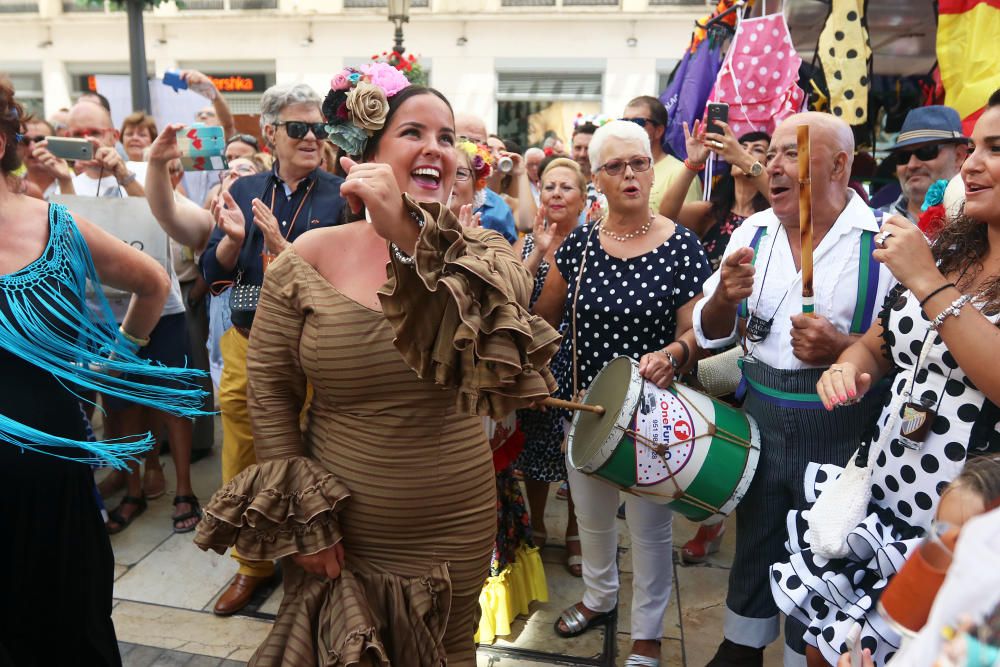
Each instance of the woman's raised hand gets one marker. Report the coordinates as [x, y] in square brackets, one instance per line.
[467, 218]
[164, 148]
[544, 232]
[694, 140]
[902, 247]
[373, 186]
[229, 218]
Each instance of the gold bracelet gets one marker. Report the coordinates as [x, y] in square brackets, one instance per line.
[139, 342]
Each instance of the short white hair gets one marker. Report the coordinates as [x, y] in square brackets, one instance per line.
[624, 130]
[279, 96]
[534, 151]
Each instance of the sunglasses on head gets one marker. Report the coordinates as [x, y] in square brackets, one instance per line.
[641, 122]
[615, 167]
[298, 129]
[244, 138]
[923, 153]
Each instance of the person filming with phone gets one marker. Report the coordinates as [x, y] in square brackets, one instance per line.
[106, 174]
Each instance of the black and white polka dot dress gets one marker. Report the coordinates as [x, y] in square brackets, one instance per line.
[830, 596]
[626, 306]
[542, 458]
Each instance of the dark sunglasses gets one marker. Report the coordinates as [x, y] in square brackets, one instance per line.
[298, 129]
[615, 167]
[641, 122]
[249, 138]
[34, 139]
[924, 153]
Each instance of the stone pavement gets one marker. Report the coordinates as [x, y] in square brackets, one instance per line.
[165, 589]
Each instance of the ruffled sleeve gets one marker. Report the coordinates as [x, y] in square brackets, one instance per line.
[275, 509]
[460, 316]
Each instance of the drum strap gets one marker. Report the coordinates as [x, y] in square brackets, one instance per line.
[576, 294]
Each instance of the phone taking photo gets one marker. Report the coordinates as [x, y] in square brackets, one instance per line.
[69, 148]
[716, 111]
[202, 148]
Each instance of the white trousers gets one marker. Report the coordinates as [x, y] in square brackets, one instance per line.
[649, 526]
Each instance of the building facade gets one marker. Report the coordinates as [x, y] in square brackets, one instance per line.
[510, 61]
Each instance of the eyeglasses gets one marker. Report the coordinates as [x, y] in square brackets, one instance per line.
[463, 174]
[924, 153]
[87, 132]
[641, 122]
[298, 129]
[34, 139]
[245, 138]
[615, 167]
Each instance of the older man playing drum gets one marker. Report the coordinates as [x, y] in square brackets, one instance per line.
[626, 285]
[758, 285]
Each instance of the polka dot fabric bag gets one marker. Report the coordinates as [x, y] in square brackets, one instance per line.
[759, 78]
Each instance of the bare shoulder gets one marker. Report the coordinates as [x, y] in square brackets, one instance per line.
[317, 245]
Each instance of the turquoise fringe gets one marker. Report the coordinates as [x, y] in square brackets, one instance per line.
[51, 326]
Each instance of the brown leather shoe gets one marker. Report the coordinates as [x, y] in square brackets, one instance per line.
[238, 594]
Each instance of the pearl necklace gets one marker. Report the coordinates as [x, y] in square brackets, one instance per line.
[622, 238]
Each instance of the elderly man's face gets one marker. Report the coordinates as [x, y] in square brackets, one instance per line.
[472, 128]
[300, 155]
[916, 175]
[783, 170]
[531, 163]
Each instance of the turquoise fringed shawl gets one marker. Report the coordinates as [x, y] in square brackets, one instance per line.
[48, 323]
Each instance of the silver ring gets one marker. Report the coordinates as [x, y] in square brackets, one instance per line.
[836, 370]
[716, 144]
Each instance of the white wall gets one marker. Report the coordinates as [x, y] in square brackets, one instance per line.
[465, 74]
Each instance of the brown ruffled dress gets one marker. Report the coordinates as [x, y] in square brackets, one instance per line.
[394, 460]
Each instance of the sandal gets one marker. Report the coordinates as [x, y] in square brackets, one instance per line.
[181, 518]
[122, 521]
[576, 623]
[574, 562]
[704, 543]
[154, 483]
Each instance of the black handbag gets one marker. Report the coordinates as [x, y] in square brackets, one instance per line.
[243, 297]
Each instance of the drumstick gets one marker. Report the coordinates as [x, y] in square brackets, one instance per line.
[805, 220]
[570, 405]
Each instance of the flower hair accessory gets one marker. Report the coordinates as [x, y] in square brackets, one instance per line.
[358, 103]
[597, 120]
[480, 159]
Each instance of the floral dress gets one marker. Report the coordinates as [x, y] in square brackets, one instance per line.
[830, 596]
[717, 238]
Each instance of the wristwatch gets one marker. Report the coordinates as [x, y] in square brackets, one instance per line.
[756, 169]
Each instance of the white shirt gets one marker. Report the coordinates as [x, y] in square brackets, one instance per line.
[86, 186]
[777, 289]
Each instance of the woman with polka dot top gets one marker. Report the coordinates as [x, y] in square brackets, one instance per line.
[938, 341]
[627, 286]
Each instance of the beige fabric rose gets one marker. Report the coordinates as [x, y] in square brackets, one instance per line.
[367, 106]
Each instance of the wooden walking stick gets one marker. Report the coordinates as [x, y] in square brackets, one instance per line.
[805, 220]
[570, 405]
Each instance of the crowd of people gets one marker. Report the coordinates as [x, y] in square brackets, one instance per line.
[374, 274]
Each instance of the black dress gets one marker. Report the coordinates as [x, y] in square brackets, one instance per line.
[56, 563]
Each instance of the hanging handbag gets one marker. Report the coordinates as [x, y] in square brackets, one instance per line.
[843, 504]
[243, 297]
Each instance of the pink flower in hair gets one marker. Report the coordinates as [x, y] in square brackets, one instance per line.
[386, 77]
[340, 81]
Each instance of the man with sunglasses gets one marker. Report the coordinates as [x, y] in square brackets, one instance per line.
[649, 113]
[107, 175]
[930, 147]
[260, 216]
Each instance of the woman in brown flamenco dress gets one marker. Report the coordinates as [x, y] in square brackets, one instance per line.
[385, 506]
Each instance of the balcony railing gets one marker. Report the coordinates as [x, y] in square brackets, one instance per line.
[17, 6]
[375, 4]
[219, 5]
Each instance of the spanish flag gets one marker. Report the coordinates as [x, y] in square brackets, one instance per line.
[968, 52]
